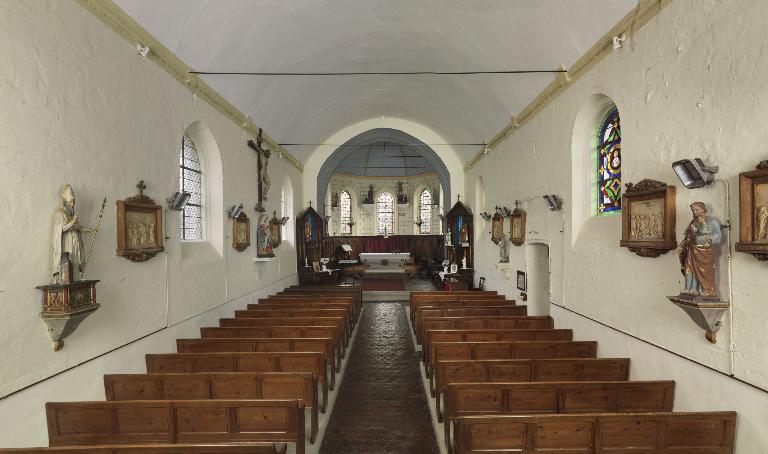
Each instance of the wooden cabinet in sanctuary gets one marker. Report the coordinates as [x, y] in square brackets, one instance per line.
[460, 231]
[310, 230]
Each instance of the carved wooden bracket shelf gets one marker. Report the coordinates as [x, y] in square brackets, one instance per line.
[507, 269]
[707, 314]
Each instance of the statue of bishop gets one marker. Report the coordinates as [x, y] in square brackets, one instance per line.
[67, 236]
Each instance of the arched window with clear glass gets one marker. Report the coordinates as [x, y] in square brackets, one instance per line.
[345, 212]
[385, 214]
[609, 164]
[191, 180]
[425, 211]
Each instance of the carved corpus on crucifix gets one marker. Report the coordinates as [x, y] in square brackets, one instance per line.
[263, 175]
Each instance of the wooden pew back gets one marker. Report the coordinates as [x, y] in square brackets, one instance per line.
[181, 448]
[415, 306]
[175, 421]
[301, 387]
[484, 311]
[483, 322]
[638, 433]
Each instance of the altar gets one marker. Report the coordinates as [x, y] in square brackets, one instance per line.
[385, 262]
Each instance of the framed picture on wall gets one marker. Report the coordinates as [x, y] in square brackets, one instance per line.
[497, 228]
[454, 268]
[139, 227]
[753, 212]
[648, 218]
[522, 283]
[241, 232]
[517, 226]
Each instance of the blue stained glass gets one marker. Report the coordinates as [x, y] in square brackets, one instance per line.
[609, 164]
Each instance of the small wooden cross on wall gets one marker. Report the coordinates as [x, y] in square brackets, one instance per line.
[141, 187]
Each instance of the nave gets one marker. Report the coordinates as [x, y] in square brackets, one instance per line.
[501, 381]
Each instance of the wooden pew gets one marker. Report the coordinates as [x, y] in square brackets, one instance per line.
[465, 399]
[418, 298]
[440, 351]
[312, 363]
[301, 387]
[285, 332]
[322, 345]
[175, 421]
[492, 335]
[354, 291]
[287, 321]
[311, 300]
[269, 312]
[456, 303]
[633, 433]
[482, 311]
[181, 448]
[483, 322]
[524, 370]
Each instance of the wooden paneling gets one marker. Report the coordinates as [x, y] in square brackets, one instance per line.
[420, 246]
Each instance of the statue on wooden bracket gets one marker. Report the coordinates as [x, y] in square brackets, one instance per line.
[699, 252]
[68, 252]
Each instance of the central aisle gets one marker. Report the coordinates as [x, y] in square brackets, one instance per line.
[381, 407]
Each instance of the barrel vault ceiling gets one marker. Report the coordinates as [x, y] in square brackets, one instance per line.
[320, 36]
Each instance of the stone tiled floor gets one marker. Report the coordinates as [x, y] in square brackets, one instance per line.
[381, 407]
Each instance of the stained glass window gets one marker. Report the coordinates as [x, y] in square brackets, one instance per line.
[191, 180]
[425, 211]
[345, 212]
[385, 213]
[609, 164]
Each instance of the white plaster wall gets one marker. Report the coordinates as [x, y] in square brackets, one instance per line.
[365, 215]
[690, 83]
[79, 106]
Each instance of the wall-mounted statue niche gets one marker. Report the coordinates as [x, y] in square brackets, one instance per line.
[461, 244]
[753, 201]
[309, 237]
[71, 298]
[699, 252]
[264, 242]
[648, 218]
[263, 174]
[517, 225]
[241, 232]
[139, 227]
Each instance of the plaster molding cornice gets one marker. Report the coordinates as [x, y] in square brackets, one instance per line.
[124, 25]
[629, 25]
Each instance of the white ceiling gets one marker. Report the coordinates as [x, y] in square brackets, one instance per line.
[378, 35]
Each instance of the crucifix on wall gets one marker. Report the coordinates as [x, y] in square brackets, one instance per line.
[263, 175]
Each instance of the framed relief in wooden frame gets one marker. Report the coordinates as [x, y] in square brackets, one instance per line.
[276, 227]
[522, 281]
[139, 227]
[753, 212]
[497, 228]
[648, 218]
[241, 232]
[517, 226]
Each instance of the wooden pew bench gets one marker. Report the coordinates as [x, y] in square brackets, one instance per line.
[175, 421]
[285, 332]
[181, 448]
[465, 399]
[456, 303]
[440, 351]
[492, 335]
[311, 301]
[483, 322]
[634, 433]
[325, 346]
[312, 363]
[337, 322]
[268, 312]
[484, 311]
[301, 387]
[524, 370]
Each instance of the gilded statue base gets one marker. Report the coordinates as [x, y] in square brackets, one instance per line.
[65, 306]
[705, 311]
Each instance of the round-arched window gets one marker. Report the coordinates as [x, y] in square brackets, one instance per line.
[609, 164]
